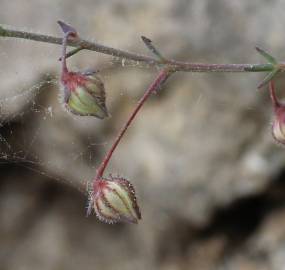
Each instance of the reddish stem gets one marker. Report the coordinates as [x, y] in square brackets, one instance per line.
[68, 31]
[273, 96]
[63, 57]
[161, 77]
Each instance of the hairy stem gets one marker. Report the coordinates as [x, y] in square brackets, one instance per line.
[141, 59]
[160, 79]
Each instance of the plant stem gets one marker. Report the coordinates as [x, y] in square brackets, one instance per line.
[72, 52]
[141, 59]
[160, 79]
[273, 96]
[63, 63]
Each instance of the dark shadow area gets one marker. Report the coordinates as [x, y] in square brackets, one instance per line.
[236, 222]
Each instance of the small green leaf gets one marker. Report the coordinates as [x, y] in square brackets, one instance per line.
[72, 52]
[266, 55]
[268, 77]
[152, 48]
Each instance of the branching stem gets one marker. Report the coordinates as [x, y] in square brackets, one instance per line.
[166, 66]
[141, 59]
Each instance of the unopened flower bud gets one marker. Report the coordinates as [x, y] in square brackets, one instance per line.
[278, 126]
[84, 94]
[114, 200]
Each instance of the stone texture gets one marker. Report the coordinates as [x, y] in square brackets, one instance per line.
[207, 173]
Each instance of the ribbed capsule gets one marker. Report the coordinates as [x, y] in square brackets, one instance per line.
[114, 200]
[278, 126]
[84, 94]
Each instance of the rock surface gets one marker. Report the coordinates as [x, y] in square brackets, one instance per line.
[208, 175]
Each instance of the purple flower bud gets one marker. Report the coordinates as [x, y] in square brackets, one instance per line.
[114, 200]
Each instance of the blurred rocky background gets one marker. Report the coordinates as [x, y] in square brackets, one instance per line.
[209, 178]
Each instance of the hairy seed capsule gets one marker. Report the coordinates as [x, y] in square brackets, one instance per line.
[84, 94]
[278, 126]
[114, 200]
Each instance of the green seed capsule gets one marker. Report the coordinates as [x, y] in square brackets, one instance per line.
[84, 94]
[114, 200]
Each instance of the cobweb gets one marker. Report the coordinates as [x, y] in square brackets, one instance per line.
[20, 150]
[35, 132]
[22, 130]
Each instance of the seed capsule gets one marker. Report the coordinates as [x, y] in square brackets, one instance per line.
[84, 94]
[278, 126]
[114, 200]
